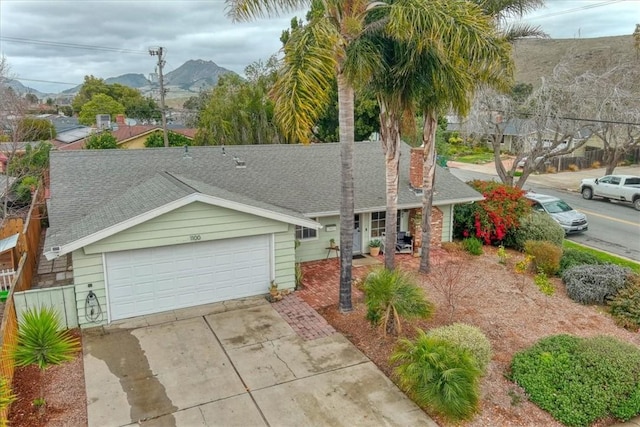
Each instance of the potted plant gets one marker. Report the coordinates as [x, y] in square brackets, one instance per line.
[332, 243]
[374, 247]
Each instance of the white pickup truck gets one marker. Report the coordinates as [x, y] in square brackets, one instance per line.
[625, 188]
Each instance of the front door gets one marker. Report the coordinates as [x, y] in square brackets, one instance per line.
[357, 235]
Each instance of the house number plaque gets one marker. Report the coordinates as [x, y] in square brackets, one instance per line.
[195, 237]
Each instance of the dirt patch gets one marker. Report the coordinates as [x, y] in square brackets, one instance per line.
[64, 392]
[513, 314]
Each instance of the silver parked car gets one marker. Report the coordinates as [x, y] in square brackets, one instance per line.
[569, 219]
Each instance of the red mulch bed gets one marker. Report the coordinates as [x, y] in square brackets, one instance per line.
[64, 393]
[509, 309]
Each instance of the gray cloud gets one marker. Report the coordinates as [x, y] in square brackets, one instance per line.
[199, 30]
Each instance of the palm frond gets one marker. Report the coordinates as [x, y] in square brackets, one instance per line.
[302, 90]
[513, 32]
[246, 10]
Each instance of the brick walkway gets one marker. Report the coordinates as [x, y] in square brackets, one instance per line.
[307, 323]
[57, 272]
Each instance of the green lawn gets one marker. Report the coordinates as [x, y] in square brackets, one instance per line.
[475, 158]
[604, 256]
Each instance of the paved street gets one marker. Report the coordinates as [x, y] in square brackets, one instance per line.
[613, 227]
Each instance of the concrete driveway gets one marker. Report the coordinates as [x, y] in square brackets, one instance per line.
[234, 364]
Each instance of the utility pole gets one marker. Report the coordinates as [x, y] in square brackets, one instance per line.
[159, 52]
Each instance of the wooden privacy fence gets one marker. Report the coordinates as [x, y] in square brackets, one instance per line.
[27, 248]
[61, 298]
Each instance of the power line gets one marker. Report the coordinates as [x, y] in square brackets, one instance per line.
[71, 45]
[575, 9]
[44, 81]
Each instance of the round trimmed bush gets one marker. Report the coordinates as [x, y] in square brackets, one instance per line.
[546, 256]
[581, 380]
[468, 338]
[538, 226]
[573, 257]
[593, 284]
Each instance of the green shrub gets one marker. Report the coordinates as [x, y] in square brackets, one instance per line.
[546, 256]
[544, 284]
[391, 295]
[592, 284]
[468, 338]
[472, 245]
[573, 257]
[581, 380]
[438, 375]
[625, 306]
[24, 187]
[536, 226]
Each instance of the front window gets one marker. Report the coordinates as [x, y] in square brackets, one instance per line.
[377, 224]
[304, 233]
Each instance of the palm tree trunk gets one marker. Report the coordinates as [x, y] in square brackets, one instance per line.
[347, 129]
[390, 132]
[428, 174]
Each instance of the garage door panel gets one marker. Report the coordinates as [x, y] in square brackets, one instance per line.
[146, 281]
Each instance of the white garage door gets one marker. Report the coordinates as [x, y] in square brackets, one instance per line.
[145, 281]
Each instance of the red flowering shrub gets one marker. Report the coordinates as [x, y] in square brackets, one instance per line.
[493, 218]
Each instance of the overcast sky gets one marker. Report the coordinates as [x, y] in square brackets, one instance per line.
[35, 35]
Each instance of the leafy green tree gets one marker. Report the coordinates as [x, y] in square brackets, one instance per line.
[135, 105]
[67, 110]
[102, 141]
[91, 86]
[391, 295]
[239, 111]
[49, 102]
[99, 104]
[43, 342]
[35, 129]
[439, 375]
[33, 162]
[156, 140]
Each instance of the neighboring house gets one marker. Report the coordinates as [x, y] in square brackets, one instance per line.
[159, 229]
[134, 136]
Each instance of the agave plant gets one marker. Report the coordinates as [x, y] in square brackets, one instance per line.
[43, 342]
[391, 295]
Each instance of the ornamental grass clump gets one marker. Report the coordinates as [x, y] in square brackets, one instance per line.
[469, 338]
[546, 256]
[581, 380]
[439, 375]
[593, 284]
[625, 306]
[391, 295]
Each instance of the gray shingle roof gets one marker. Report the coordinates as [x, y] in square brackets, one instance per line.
[97, 188]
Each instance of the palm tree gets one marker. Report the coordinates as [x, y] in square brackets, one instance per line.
[423, 47]
[312, 56]
[454, 91]
[391, 295]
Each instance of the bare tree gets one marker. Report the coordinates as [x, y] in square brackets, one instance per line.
[453, 282]
[543, 127]
[14, 130]
[611, 99]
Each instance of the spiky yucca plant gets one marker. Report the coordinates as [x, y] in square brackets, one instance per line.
[43, 342]
[439, 375]
[6, 399]
[391, 295]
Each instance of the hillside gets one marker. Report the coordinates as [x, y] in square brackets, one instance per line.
[535, 58]
[195, 74]
[131, 80]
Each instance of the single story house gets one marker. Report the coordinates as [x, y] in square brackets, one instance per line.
[165, 228]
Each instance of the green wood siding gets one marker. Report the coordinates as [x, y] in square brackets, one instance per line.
[176, 227]
[314, 249]
[88, 270]
[285, 258]
[447, 222]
